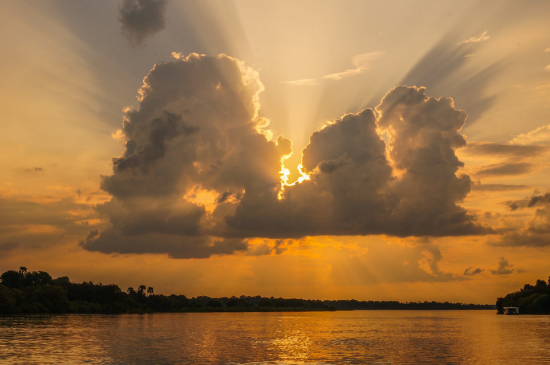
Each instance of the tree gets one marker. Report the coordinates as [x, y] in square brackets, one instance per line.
[150, 290]
[22, 270]
[141, 289]
[130, 291]
[11, 279]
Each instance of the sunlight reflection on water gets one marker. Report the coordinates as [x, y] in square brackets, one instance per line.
[321, 338]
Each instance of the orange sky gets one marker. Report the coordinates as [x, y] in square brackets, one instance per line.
[436, 190]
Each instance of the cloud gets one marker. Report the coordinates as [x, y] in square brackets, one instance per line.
[505, 150]
[418, 262]
[440, 68]
[539, 136]
[8, 246]
[481, 38]
[533, 201]
[547, 68]
[201, 174]
[506, 169]
[362, 63]
[470, 272]
[141, 19]
[504, 268]
[547, 50]
[536, 232]
[498, 187]
[302, 82]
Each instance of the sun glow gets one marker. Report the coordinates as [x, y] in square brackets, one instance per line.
[285, 174]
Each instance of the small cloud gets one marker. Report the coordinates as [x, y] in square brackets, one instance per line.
[8, 246]
[38, 169]
[481, 38]
[506, 169]
[498, 187]
[301, 82]
[547, 68]
[141, 19]
[470, 272]
[469, 55]
[362, 63]
[538, 136]
[504, 268]
[547, 50]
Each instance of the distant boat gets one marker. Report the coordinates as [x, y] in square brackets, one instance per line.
[511, 310]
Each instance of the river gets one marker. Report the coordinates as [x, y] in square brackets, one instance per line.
[357, 337]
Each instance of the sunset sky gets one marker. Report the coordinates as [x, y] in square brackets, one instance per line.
[376, 150]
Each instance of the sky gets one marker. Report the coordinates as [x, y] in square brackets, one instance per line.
[376, 150]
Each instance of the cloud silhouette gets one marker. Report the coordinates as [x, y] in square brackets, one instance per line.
[504, 268]
[201, 174]
[141, 19]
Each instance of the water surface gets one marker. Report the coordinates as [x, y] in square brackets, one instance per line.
[358, 337]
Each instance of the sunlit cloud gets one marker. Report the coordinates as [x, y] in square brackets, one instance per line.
[302, 82]
[547, 68]
[362, 63]
[481, 38]
[539, 136]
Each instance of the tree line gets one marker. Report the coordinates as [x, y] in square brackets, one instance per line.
[531, 299]
[26, 292]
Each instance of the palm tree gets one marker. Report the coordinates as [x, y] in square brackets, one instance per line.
[150, 290]
[141, 289]
[22, 270]
[130, 290]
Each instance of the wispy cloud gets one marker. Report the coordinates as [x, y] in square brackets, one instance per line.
[362, 63]
[547, 49]
[301, 82]
[547, 68]
[481, 38]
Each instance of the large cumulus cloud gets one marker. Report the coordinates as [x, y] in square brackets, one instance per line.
[201, 173]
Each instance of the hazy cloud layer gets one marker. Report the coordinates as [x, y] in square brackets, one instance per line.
[141, 19]
[498, 187]
[506, 169]
[200, 173]
[505, 150]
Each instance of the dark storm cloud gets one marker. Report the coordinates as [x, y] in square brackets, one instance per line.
[507, 168]
[199, 175]
[505, 150]
[504, 268]
[141, 19]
